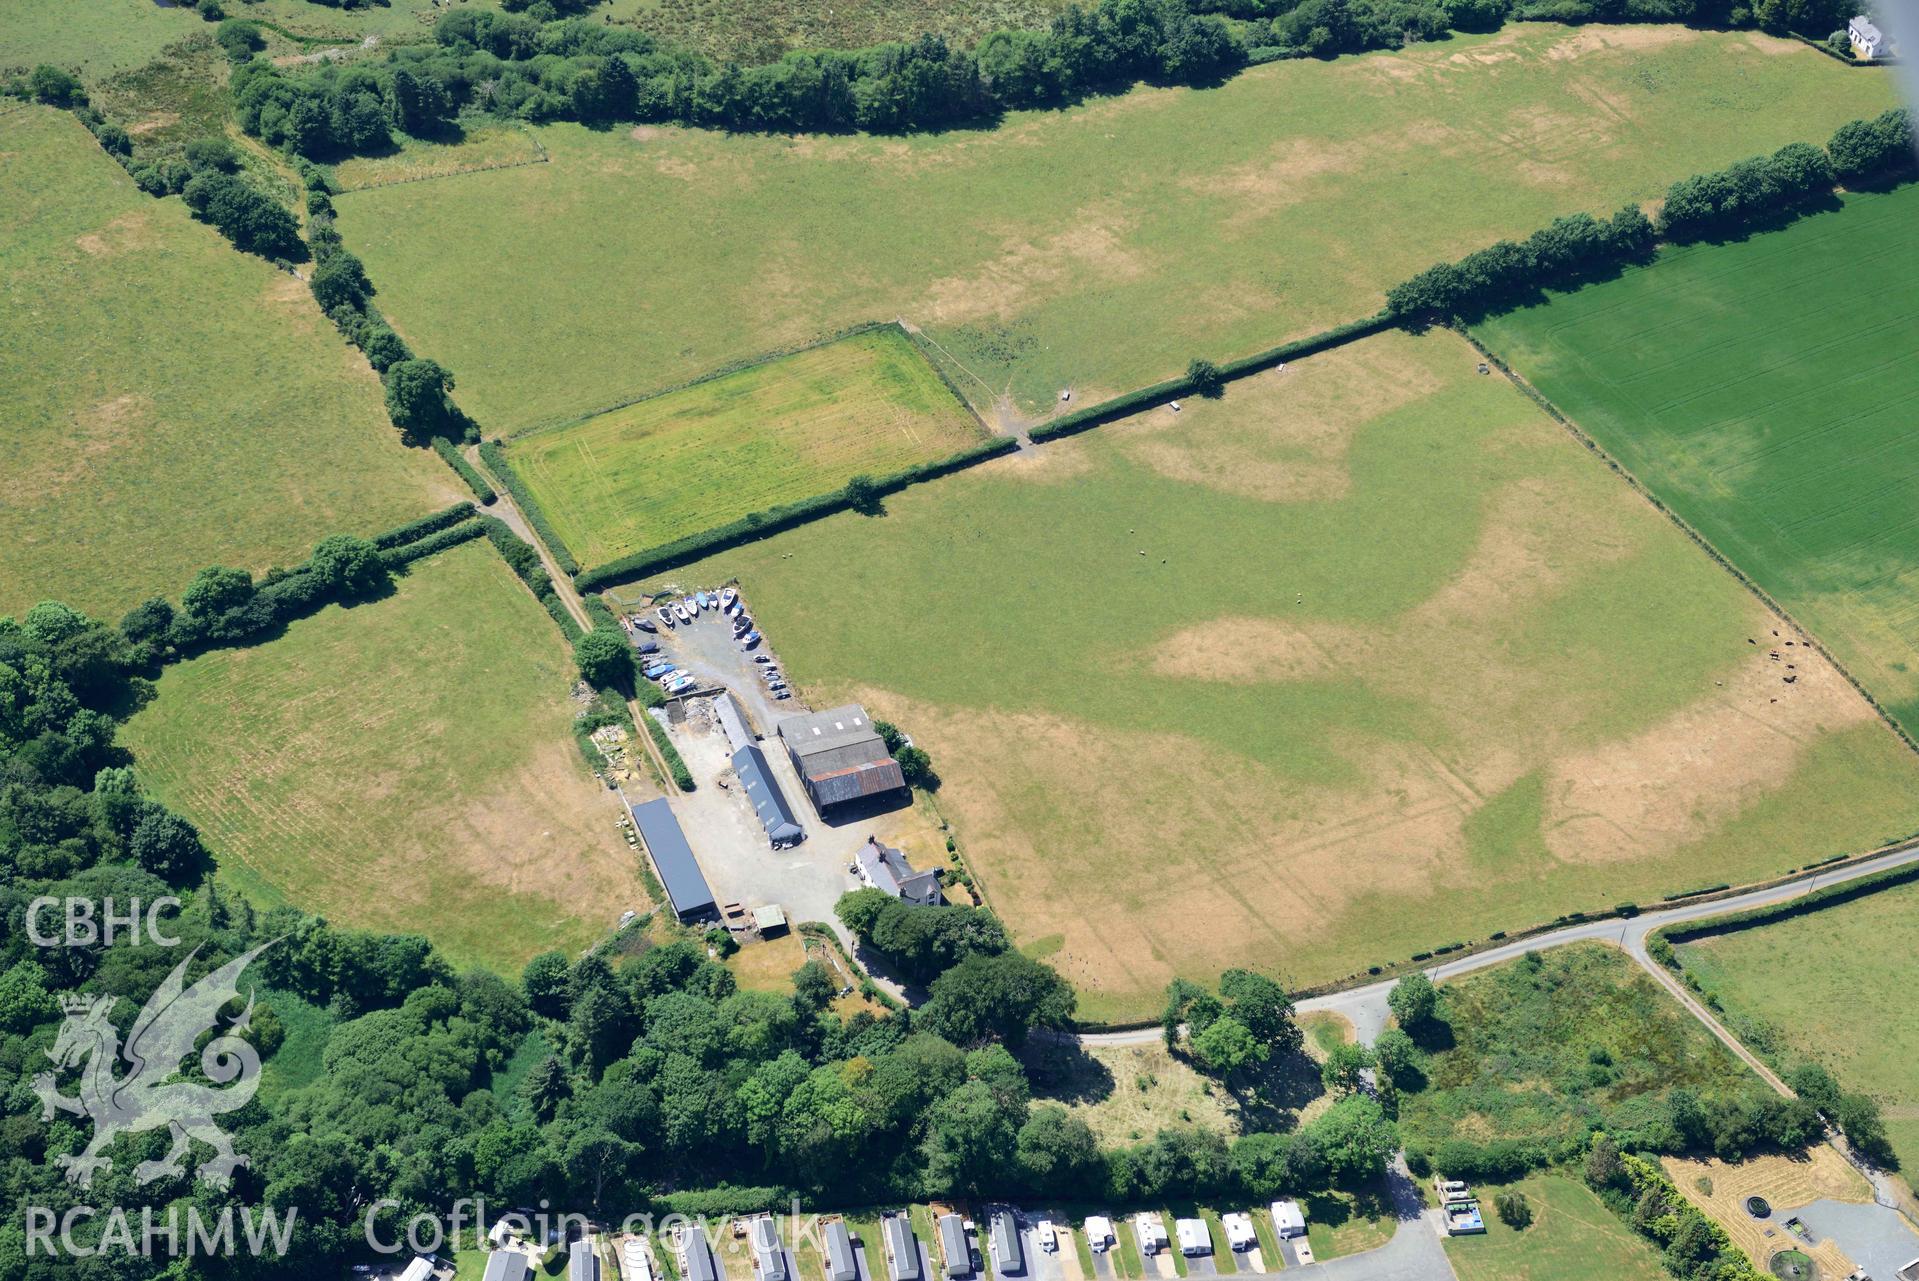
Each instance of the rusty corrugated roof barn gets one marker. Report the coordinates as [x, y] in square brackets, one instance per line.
[839, 756]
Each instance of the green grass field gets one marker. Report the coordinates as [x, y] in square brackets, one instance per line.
[1573, 1237]
[1369, 657]
[772, 433]
[406, 765]
[1540, 1050]
[1765, 389]
[1835, 986]
[170, 403]
[1283, 202]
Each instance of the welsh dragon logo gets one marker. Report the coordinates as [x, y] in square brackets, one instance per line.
[146, 1097]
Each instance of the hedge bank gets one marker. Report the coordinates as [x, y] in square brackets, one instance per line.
[774, 520]
[447, 450]
[400, 557]
[495, 458]
[412, 531]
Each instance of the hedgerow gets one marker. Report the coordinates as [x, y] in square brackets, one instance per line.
[466, 470]
[494, 457]
[399, 557]
[675, 765]
[413, 530]
[763, 524]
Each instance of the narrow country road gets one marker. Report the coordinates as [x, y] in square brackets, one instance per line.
[1366, 1006]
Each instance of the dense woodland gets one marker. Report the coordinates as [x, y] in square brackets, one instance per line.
[573, 68]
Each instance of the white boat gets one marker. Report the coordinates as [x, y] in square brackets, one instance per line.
[693, 606]
[727, 597]
[679, 612]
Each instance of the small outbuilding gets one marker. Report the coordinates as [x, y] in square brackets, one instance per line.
[841, 1263]
[1008, 1256]
[506, 1265]
[1289, 1220]
[733, 723]
[769, 1255]
[954, 1246]
[696, 1254]
[902, 1247]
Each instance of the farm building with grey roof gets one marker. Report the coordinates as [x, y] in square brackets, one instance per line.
[840, 756]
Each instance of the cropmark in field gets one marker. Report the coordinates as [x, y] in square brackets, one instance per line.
[406, 765]
[170, 403]
[1367, 658]
[1097, 248]
[775, 432]
[1766, 390]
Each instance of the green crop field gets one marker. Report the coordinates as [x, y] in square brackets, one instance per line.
[1573, 1237]
[170, 403]
[1766, 390]
[772, 433]
[1369, 657]
[1098, 248]
[1835, 987]
[1543, 1045]
[407, 764]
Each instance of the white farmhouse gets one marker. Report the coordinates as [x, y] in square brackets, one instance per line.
[1868, 41]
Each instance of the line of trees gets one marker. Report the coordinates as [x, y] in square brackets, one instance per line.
[1756, 192]
[573, 69]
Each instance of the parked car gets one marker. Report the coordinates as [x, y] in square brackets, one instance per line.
[763, 658]
[782, 696]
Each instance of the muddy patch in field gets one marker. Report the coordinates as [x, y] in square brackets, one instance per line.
[1093, 248]
[1283, 435]
[1053, 463]
[154, 123]
[1700, 766]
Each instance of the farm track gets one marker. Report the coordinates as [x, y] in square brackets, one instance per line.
[508, 511]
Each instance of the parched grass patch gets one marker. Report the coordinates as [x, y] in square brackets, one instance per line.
[1128, 1093]
[772, 433]
[1366, 658]
[1542, 1045]
[403, 765]
[1833, 986]
[1573, 1237]
[1766, 390]
[1277, 205]
[170, 403]
[482, 147]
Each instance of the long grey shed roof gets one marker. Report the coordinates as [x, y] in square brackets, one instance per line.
[733, 723]
[506, 1265]
[673, 858]
[1006, 1242]
[582, 1264]
[959, 1255]
[768, 802]
[769, 1254]
[699, 1257]
[841, 1265]
[904, 1248]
